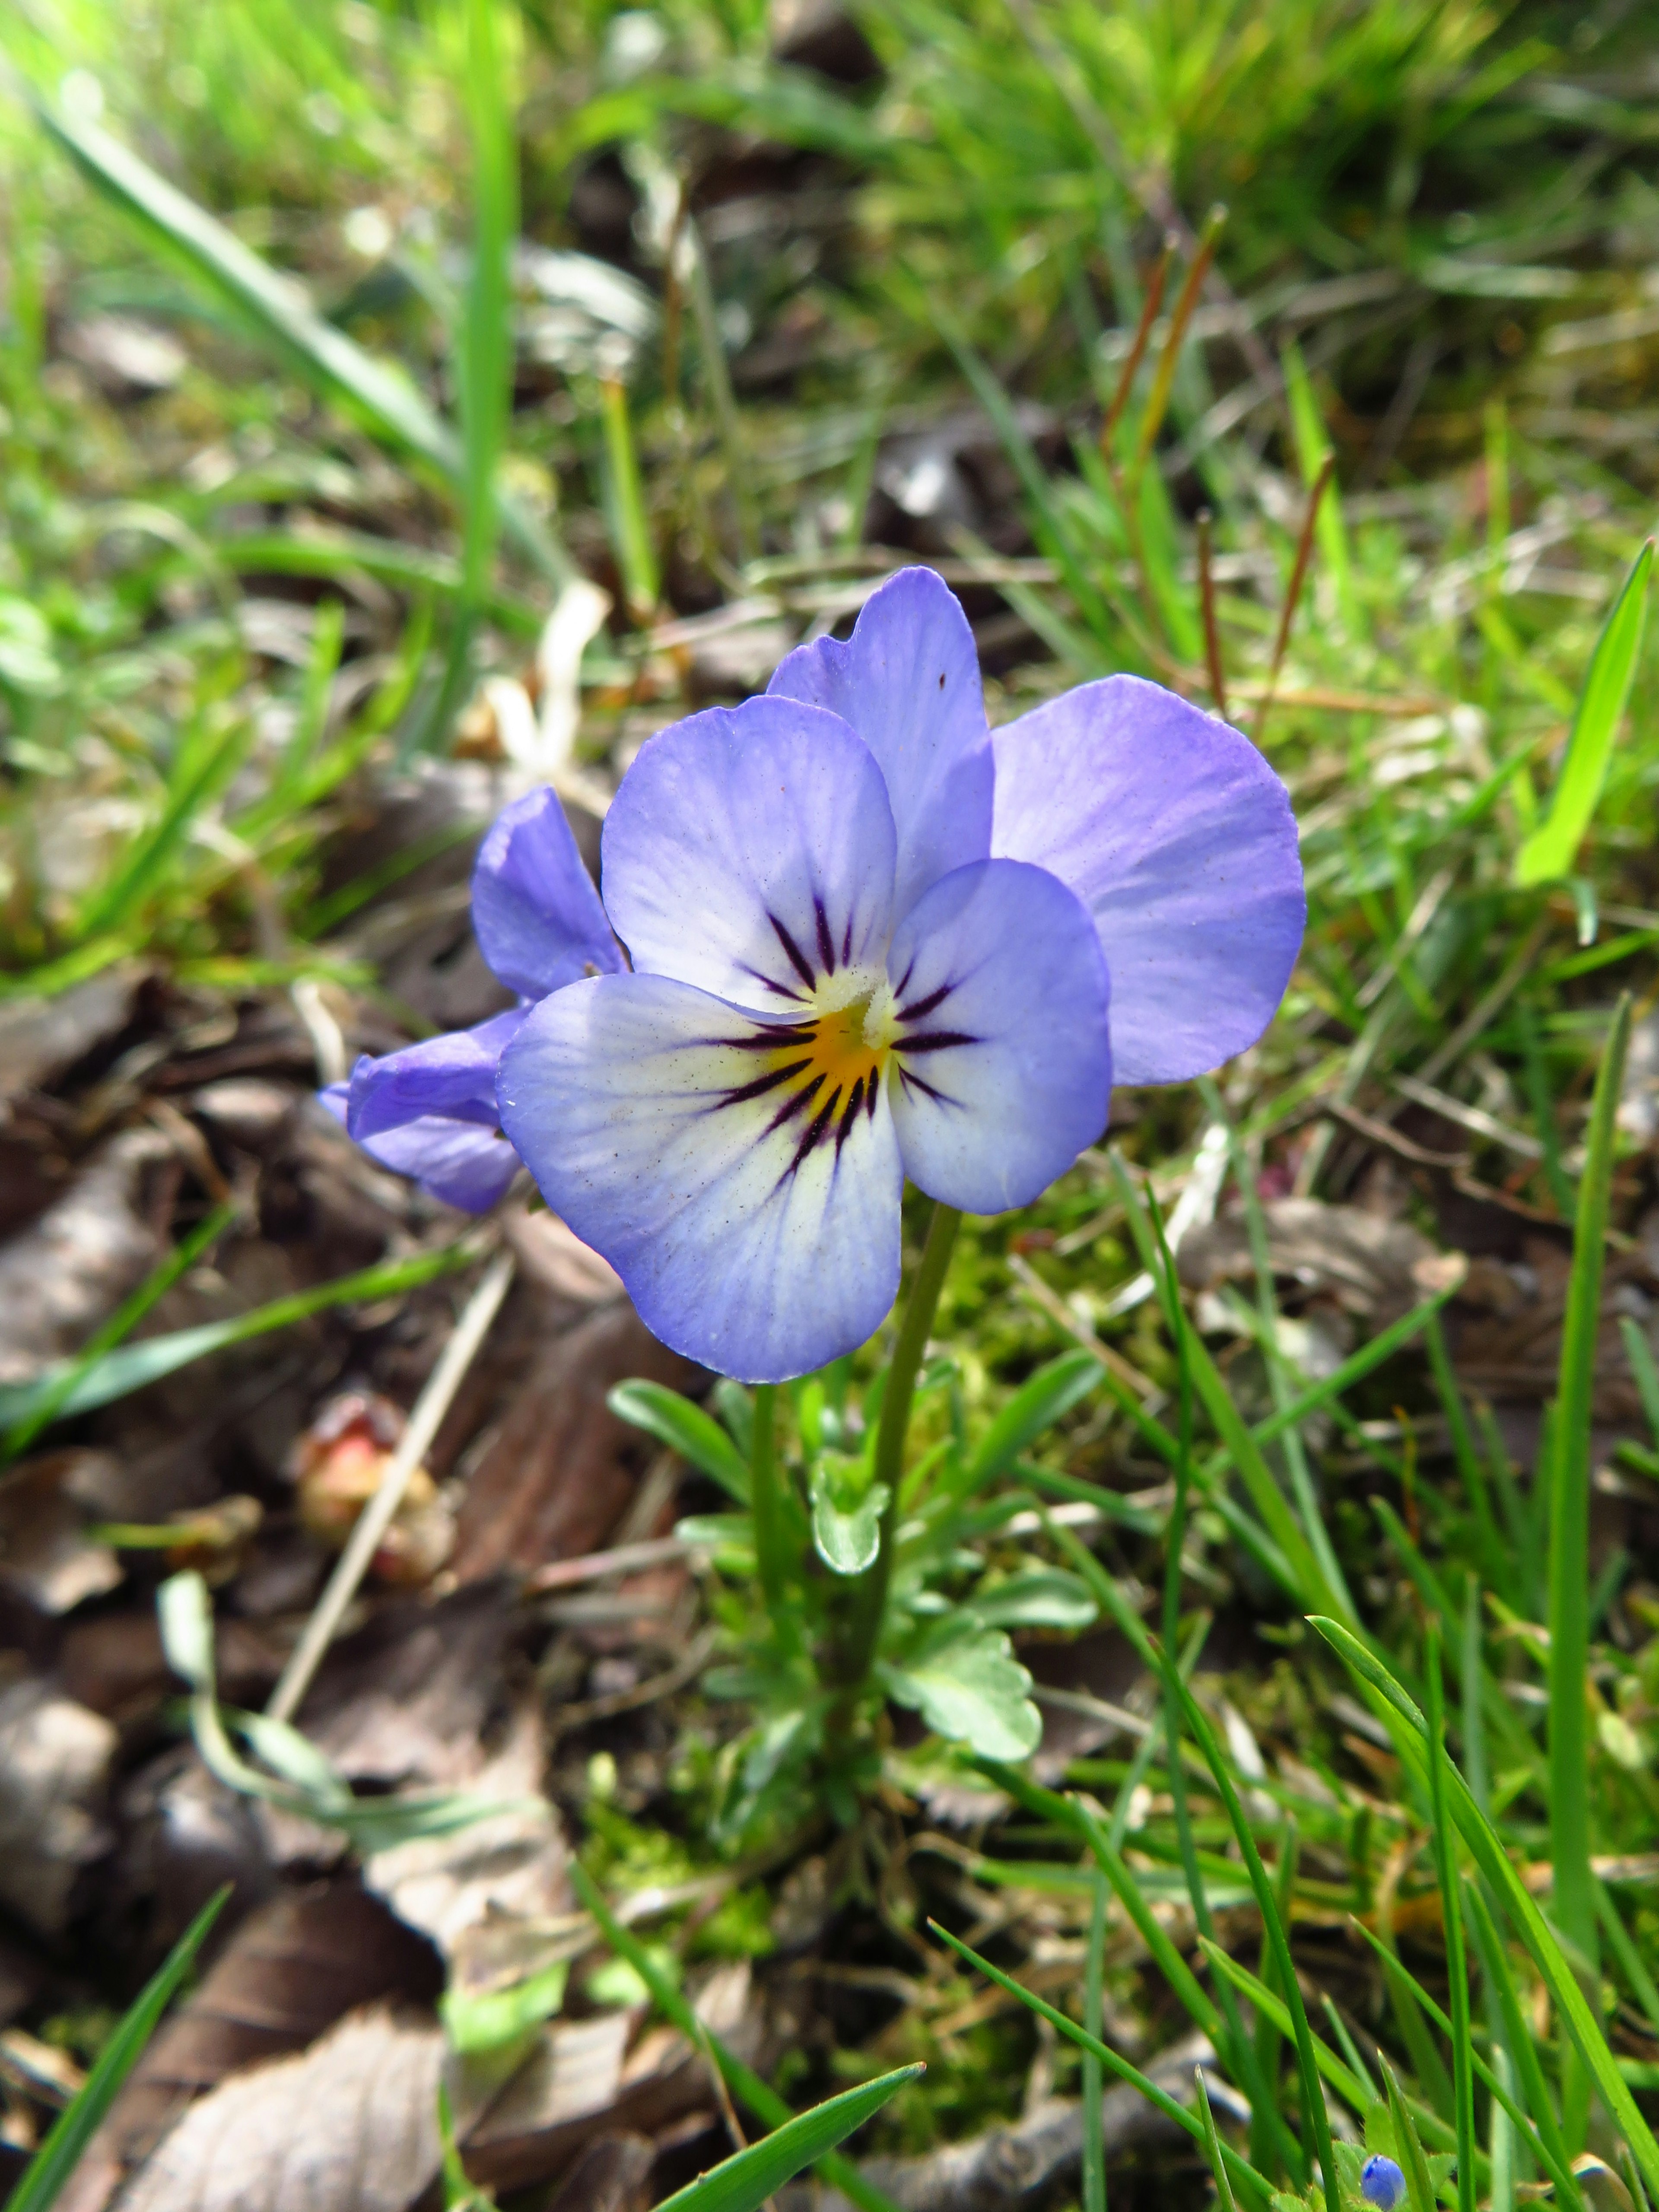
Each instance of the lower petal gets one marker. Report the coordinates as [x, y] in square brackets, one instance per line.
[456, 1162]
[1002, 1067]
[755, 1224]
[1179, 839]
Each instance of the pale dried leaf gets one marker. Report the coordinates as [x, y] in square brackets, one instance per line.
[54, 1770]
[350, 2125]
[68, 1270]
[1371, 1267]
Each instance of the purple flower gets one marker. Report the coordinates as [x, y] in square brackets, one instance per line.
[430, 1111]
[867, 940]
[1382, 2182]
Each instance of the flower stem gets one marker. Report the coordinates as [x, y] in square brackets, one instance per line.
[870, 1595]
[763, 1504]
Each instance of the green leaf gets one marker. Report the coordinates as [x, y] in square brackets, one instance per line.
[969, 1688]
[1549, 853]
[132, 1366]
[741, 2183]
[845, 1536]
[294, 1757]
[684, 1428]
[490, 2019]
[1037, 1404]
[56, 2160]
[1047, 1597]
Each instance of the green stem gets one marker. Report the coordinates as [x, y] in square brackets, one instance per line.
[870, 1595]
[768, 1522]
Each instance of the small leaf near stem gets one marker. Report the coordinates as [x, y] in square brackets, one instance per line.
[869, 1605]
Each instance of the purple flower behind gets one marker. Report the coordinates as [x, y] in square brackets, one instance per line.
[430, 1111]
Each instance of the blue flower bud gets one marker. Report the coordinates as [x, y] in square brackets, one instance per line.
[1382, 2182]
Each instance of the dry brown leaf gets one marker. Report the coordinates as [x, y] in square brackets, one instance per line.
[1371, 1267]
[350, 2126]
[39, 1038]
[289, 1971]
[582, 2078]
[611, 2176]
[507, 1868]
[68, 1270]
[54, 1771]
[561, 1467]
[46, 1554]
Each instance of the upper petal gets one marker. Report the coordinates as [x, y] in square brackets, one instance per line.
[535, 912]
[750, 851]
[907, 681]
[757, 1230]
[1001, 1069]
[1179, 839]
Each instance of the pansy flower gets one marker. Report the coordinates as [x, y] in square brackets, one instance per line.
[866, 939]
[430, 1111]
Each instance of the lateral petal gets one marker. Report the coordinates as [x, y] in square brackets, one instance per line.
[1179, 839]
[907, 681]
[1002, 1067]
[429, 1112]
[753, 1216]
[750, 851]
[535, 912]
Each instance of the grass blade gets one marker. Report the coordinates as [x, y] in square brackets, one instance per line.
[1393, 1705]
[1452, 1920]
[1569, 1540]
[1549, 853]
[1313, 2096]
[746, 2181]
[1544, 2141]
[372, 392]
[56, 2160]
[1419, 2188]
[1094, 2131]
[1258, 2187]
[131, 1366]
[120, 1324]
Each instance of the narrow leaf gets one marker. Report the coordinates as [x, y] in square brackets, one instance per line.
[1485, 1846]
[56, 2160]
[131, 1366]
[742, 2182]
[1549, 853]
[684, 1428]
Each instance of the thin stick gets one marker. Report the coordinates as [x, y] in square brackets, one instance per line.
[1158, 399]
[1292, 597]
[1137, 352]
[376, 1516]
[1212, 634]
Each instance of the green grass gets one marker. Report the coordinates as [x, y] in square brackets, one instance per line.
[1432, 279]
